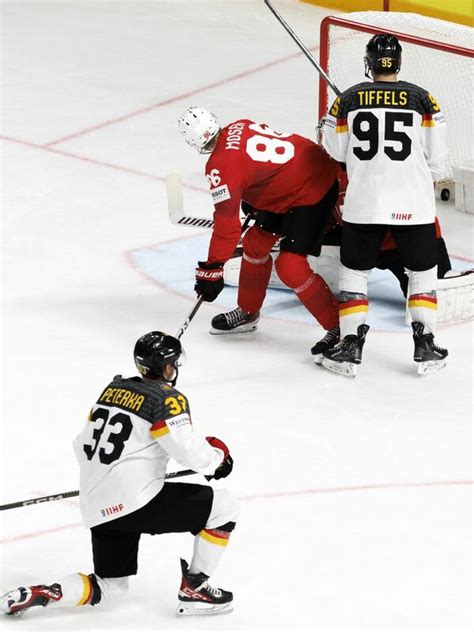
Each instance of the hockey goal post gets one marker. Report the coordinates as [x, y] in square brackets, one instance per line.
[437, 55]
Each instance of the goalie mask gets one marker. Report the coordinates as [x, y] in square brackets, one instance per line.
[154, 351]
[199, 127]
[383, 55]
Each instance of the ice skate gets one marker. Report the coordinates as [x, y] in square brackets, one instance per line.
[430, 358]
[329, 341]
[347, 354]
[236, 321]
[197, 597]
[18, 601]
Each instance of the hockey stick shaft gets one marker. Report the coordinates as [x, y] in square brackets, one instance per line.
[189, 317]
[303, 48]
[45, 499]
[200, 299]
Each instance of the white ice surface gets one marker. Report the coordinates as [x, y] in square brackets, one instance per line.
[357, 495]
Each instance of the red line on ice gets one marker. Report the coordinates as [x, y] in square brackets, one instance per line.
[267, 495]
[178, 97]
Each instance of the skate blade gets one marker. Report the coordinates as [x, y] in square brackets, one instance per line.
[430, 366]
[318, 359]
[346, 369]
[243, 329]
[5, 610]
[199, 609]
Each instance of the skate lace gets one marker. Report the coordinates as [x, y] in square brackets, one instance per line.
[215, 592]
[344, 344]
[433, 346]
[235, 316]
[332, 336]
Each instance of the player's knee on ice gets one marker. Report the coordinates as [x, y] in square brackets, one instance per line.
[112, 588]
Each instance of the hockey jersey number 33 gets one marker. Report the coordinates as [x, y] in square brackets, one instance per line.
[392, 137]
[132, 431]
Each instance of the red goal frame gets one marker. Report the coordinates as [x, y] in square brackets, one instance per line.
[330, 20]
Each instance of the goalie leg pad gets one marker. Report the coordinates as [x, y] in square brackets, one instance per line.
[456, 297]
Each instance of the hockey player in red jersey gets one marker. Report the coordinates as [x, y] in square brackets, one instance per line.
[290, 183]
[134, 428]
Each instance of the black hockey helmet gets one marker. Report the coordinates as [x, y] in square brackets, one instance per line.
[383, 55]
[154, 351]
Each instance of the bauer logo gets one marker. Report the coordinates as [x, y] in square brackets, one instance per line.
[220, 194]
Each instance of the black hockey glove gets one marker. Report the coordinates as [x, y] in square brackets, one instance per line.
[225, 468]
[209, 280]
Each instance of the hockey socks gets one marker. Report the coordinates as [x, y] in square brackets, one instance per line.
[255, 269]
[253, 282]
[353, 309]
[209, 545]
[73, 590]
[79, 590]
[423, 308]
[310, 288]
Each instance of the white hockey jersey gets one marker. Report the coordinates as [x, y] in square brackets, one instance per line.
[392, 138]
[123, 451]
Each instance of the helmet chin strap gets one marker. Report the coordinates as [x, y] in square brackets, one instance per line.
[175, 379]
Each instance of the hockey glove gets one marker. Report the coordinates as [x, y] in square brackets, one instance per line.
[225, 468]
[209, 280]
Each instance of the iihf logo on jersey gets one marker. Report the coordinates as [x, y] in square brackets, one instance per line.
[110, 511]
[402, 216]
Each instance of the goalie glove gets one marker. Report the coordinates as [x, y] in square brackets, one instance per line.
[209, 280]
[225, 468]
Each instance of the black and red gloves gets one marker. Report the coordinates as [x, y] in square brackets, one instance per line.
[209, 280]
[225, 468]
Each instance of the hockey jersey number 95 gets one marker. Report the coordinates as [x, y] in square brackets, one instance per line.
[392, 137]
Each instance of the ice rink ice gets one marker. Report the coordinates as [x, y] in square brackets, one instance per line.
[356, 495]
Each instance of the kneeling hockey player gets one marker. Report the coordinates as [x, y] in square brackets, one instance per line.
[133, 429]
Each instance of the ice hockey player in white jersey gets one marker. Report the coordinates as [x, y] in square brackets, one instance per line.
[133, 429]
[391, 136]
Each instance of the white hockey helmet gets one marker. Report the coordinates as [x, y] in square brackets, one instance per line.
[198, 127]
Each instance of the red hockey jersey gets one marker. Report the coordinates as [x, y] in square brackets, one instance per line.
[269, 170]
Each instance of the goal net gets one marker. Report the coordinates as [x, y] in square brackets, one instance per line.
[437, 55]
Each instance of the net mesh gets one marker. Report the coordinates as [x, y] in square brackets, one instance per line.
[448, 76]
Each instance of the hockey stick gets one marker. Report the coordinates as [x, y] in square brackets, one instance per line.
[189, 318]
[176, 212]
[45, 499]
[299, 43]
[174, 192]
